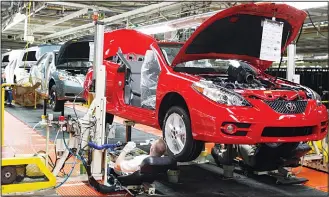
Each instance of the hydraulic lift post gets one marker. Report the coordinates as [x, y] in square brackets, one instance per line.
[291, 62]
[89, 128]
[228, 167]
[128, 125]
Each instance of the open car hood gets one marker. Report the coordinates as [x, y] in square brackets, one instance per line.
[236, 33]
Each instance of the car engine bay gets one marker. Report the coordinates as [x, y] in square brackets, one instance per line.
[246, 79]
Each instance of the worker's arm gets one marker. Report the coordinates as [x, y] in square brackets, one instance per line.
[121, 157]
[129, 147]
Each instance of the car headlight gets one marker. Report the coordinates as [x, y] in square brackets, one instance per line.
[313, 95]
[219, 94]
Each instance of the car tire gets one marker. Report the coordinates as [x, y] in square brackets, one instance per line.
[56, 105]
[177, 133]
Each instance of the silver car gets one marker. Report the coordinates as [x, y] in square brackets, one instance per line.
[63, 73]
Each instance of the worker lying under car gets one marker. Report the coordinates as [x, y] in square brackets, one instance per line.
[158, 148]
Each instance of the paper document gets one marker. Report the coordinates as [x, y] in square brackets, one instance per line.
[271, 41]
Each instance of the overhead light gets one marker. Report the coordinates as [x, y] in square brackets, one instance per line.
[307, 5]
[17, 19]
[155, 29]
[181, 23]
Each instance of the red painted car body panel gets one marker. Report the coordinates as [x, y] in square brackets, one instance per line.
[206, 115]
[294, 16]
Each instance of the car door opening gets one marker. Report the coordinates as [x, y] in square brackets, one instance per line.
[141, 78]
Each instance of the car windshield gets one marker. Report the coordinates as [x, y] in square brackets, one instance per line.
[202, 66]
[170, 50]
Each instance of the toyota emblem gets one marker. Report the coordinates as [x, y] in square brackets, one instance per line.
[291, 107]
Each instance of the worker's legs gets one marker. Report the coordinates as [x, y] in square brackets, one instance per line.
[247, 153]
[9, 96]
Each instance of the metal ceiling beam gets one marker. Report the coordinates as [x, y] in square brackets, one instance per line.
[63, 19]
[80, 5]
[9, 44]
[23, 18]
[122, 16]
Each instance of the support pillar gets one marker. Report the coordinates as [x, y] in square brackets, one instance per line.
[45, 107]
[291, 62]
[128, 125]
[62, 112]
[44, 115]
[228, 167]
[100, 86]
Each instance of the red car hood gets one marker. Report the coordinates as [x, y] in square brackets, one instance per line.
[236, 33]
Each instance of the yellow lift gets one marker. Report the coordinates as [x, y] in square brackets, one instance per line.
[11, 168]
[318, 157]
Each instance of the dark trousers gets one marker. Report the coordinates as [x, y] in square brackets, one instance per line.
[9, 96]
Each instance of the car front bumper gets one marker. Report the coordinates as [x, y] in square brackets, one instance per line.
[260, 124]
[69, 90]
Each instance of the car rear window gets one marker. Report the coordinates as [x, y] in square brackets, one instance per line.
[50, 48]
[29, 56]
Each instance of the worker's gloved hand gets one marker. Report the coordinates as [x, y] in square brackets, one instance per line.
[129, 147]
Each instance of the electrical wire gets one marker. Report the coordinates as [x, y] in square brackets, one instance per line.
[31, 142]
[55, 148]
[74, 102]
[300, 33]
[73, 166]
[277, 72]
[309, 16]
[28, 11]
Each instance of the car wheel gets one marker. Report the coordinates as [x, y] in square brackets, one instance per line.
[55, 104]
[178, 135]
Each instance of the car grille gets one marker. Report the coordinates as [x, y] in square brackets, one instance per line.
[286, 131]
[288, 107]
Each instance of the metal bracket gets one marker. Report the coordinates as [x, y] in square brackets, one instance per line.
[128, 125]
[229, 167]
[149, 188]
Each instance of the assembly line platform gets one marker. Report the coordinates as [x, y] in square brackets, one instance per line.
[195, 179]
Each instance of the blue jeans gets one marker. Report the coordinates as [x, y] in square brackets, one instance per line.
[9, 96]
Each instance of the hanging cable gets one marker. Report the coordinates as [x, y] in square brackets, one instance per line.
[309, 16]
[31, 141]
[277, 72]
[300, 32]
[73, 166]
[28, 11]
[74, 102]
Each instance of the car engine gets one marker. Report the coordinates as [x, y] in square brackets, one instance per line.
[241, 77]
[228, 83]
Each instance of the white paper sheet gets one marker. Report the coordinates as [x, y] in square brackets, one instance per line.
[91, 51]
[271, 41]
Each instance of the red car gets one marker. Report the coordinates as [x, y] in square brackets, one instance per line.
[212, 88]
